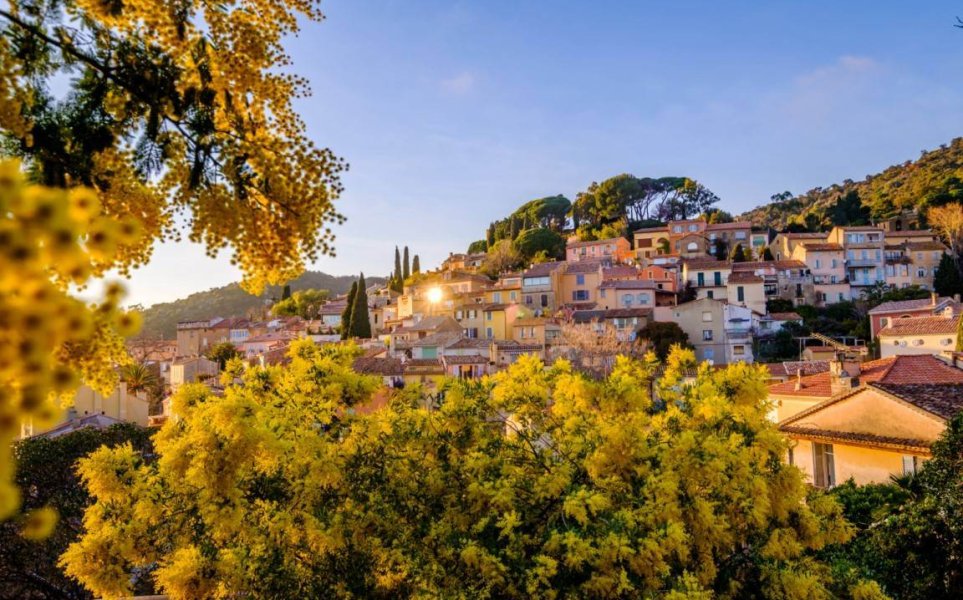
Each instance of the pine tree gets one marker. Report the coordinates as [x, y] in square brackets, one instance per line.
[415, 265]
[347, 313]
[947, 280]
[490, 235]
[397, 265]
[513, 227]
[406, 267]
[767, 254]
[360, 322]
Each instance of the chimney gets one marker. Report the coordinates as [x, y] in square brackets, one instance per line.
[933, 298]
[798, 379]
[843, 375]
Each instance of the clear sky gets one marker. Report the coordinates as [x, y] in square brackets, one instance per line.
[451, 114]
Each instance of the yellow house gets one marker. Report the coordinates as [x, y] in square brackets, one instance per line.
[535, 330]
[871, 433]
[119, 406]
[783, 246]
[497, 319]
[579, 282]
[867, 420]
[707, 276]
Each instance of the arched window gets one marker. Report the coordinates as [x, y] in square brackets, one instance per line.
[692, 247]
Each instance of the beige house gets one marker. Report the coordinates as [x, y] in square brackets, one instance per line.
[827, 264]
[540, 285]
[194, 338]
[873, 432]
[745, 288]
[720, 332]
[651, 241]
[535, 330]
[708, 276]
[118, 406]
[192, 370]
[919, 335]
[783, 246]
[632, 293]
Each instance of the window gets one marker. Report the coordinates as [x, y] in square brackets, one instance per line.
[544, 300]
[473, 314]
[700, 279]
[921, 272]
[707, 335]
[818, 264]
[643, 298]
[602, 293]
[693, 227]
[532, 281]
[458, 315]
[910, 464]
[580, 280]
[741, 294]
[511, 296]
[627, 299]
[471, 332]
[706, 316]
[834, 263]
[489, 333]
[841, 298]
[497, 297]
[580, 295]
[710, 295]
[739, 350]
[488, 315]
[692, 246]
[717, 278]
[824, 467]
[708, 353]
[677, 229]
[740, 235]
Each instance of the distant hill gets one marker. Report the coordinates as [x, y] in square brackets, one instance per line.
[160, 320]
[936, 177]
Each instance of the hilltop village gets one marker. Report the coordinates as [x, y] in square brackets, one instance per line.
[729, 291]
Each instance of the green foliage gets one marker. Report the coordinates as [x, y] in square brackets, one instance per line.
[739, 254]
[880, 292]
[348, 312]
[303, 303]
[406, 266]
[398, 274]
[767, 254]
[46, 474]
[360, 326]
[720, 250]
[909, 534]
[478, 247]
[415, 265]
[287, 292]
[535, 483]
[532, 241]
[221, 353]
[160, 320]
[779, 305]
[934, 179]
[663, 336]
[947, 281]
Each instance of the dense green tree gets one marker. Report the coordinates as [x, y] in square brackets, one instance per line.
[717, 215]
[720, 250]
[767, 254]
[46, 473]
[490, 236]
[286, 293]
[398, 274]
[347, 313]
[947, 281]
[849, 210]
[221, 353]
[663, 337]
[779, 305]
[533, 241]
[405, 266]
[360, 322]
[502, 257]
[478, 247]
[303, 303]
[514, 227]
[416, 265]
[739, 254]
[910, 535]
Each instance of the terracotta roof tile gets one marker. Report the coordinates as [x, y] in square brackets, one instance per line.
[849, 437]
[785, 316]
[706, 263]
[823, 247]
[378, 366]
[745, 277]
[920, 326]
[471, 359]
[944, 400]
[629, 284]
[594, 242]
[906, 369]
[898, 305]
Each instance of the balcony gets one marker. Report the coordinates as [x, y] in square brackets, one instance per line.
[862, 262]
[737, 335]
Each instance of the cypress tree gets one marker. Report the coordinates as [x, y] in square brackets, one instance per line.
[397, 264]
[738, 254]
[947, 280]
[360, 323]
[346, 314]
[719, 249]
[286, 293]
[767, 254]
[490, 235]
[415, 265]
[405, 266]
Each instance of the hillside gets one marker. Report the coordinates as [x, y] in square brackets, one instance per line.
[936, 177]
[160, 320]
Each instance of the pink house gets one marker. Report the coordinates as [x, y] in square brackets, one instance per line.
[616, 249]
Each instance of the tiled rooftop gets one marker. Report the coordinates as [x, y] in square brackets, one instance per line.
[944, 400]
[920, 326]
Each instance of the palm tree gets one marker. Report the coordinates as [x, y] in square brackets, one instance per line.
[138, 377]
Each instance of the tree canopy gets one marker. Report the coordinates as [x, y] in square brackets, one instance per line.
[533, 241]
[302, 303]
[534, 483]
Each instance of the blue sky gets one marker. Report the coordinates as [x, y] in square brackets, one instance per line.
[453, 113]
